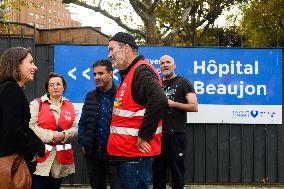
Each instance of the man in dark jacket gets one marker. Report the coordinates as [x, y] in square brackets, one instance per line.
[135, 134]
[94, 125]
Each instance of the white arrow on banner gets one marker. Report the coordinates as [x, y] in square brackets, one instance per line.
[70, 73]
[85, 73]
[114, 76]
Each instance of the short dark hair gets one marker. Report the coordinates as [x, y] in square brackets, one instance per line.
[10, 61]
[52, 75]
[103, 62]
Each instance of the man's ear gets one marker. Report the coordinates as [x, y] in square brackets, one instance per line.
[111, 74]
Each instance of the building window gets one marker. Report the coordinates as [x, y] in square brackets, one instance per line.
[37, 16]
[31, 14]
[42, 7]
[49, 11]
[42, 16]
[30, 23]
[49, 20]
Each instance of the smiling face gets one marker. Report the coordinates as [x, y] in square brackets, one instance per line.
[116, 53]
[103, 78]
[27, 69]
[167, 66]
[55, 87]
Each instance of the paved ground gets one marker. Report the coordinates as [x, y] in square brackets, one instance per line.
[203, 187]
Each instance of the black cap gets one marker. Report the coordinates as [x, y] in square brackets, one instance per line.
[124, 38]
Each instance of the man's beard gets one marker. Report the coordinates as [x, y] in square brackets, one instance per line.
[120, 60]
[168, 74]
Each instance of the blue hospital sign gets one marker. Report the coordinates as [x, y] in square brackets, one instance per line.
[232, 85]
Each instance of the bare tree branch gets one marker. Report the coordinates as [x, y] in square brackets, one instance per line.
[106, 14]
[139, 4]
[154, 5]
[183, 19]
[140, 9]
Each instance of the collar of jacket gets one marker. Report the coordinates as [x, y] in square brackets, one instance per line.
[112, 90]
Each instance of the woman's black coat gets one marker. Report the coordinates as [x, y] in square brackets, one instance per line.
[15, 134]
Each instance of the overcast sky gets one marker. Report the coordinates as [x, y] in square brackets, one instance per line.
[90, 18]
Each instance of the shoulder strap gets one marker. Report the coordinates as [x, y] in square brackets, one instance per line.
[39, 103]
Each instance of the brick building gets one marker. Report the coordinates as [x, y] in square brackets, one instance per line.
[44, 14]
[71, 35]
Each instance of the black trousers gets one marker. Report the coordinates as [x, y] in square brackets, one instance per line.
[42, 182]
[172, 157]
[100, 171]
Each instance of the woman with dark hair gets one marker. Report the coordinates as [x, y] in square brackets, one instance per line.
[16, 69]
[54, 120]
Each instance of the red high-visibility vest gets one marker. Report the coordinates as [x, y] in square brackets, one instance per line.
[46, 120]
[126, 120]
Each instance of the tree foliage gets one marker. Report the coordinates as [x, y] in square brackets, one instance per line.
[170, 22]
[263, 23]
[190, 22]
[9, 7]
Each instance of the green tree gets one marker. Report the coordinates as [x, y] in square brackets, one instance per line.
[262, 24]
[225, 37]
[8, 8]
[191, 22]
[164, 21]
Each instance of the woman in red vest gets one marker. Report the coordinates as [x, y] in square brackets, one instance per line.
[53, 119]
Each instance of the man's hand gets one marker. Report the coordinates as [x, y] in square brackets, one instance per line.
[171, 103]
[35, 158]
[83, 151]
[143, 146]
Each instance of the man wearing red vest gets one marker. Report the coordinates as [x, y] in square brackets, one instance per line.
[135, 132]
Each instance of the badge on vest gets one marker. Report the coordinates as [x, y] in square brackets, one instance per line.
[117, 102]
[67, 115]
[121, 92]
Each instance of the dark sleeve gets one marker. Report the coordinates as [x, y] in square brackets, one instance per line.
[146, 91]
[16, 117]
[187, 86]
[36, 143]
[81, 126]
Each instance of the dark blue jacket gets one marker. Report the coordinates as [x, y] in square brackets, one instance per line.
[88, 120]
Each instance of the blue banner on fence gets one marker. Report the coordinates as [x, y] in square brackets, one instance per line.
[221, 76]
